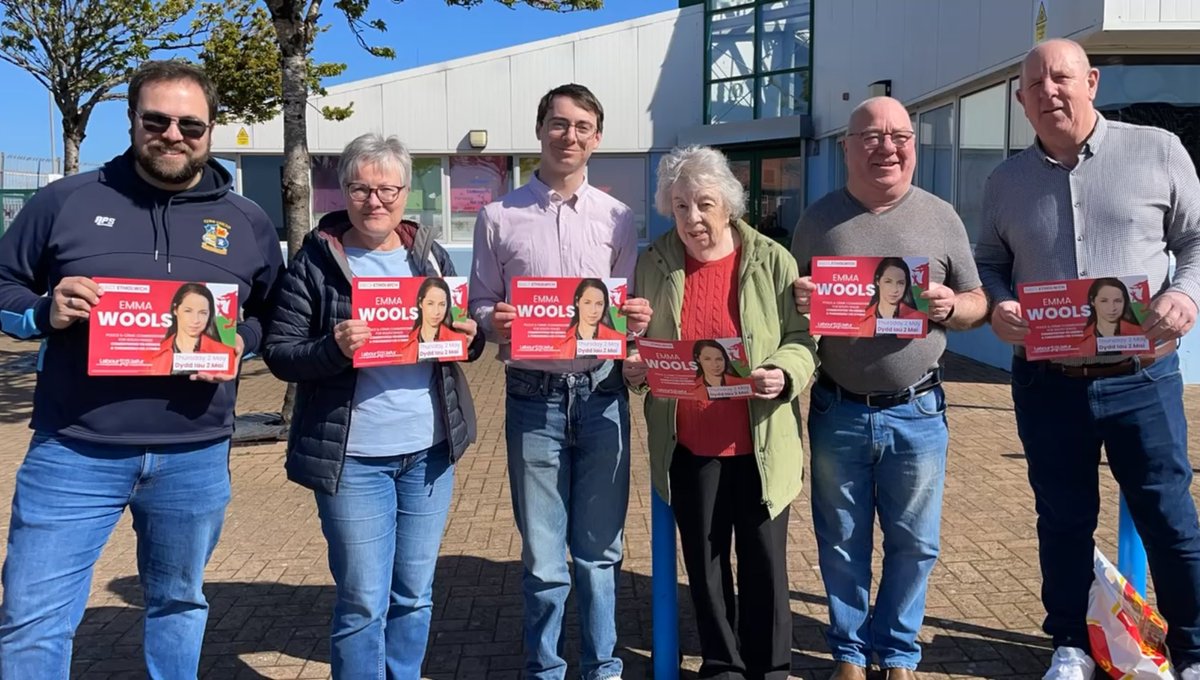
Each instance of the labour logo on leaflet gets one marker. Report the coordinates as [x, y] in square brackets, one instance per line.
[216, 237]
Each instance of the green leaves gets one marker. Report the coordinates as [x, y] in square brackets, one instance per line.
[247, 40]
[82, 50]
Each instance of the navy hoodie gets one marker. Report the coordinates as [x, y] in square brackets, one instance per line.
[113, 223]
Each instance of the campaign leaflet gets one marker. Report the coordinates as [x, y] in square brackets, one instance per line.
[705, 370]
[411, 319]
[1085, 317]
[865, 297]
[568, 318]
[145, 327]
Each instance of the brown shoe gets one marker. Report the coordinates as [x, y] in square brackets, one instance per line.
[844, 670]
[900, 674]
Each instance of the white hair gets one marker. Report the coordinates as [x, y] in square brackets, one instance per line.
[374, 149]
[699, 167]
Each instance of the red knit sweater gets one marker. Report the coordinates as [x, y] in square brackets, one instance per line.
[710, 310]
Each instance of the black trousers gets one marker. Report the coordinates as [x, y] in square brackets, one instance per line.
[717, 504]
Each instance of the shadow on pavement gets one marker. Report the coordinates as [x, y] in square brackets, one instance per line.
[476, 630]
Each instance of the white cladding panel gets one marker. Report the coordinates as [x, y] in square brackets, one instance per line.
[533, 74]
[333, 135]
[925, 47]
[608, 66]
[1140, 13]
[414, 109]
[476, 99]
[670, 87]
[647, 72]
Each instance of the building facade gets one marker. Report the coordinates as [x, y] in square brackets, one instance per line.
[770, 82]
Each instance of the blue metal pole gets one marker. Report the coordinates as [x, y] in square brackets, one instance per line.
[663, 583]
[1131, 554]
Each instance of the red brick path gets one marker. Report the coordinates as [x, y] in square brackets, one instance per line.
[271, 593]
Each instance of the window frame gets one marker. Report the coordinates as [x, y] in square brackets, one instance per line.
[757, 77]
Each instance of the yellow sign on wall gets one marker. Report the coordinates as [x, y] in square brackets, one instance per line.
[1039, 22]
[243, 137]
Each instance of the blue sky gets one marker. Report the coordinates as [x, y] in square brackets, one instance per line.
[421, 31]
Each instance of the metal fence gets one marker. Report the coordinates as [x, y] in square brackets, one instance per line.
[21, 176]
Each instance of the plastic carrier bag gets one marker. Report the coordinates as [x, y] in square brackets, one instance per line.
[1128, 636]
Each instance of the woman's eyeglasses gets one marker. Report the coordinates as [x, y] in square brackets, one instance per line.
[158, 123]
[387, 193]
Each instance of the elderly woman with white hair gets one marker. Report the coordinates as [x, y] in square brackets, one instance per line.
[727, 467]
[376, 445]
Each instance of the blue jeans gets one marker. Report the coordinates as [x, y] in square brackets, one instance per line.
[384, 527]
[891, 461]
[1139, 419]
[69, 495]
[568, 465]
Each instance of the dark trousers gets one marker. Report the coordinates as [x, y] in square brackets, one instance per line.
[716, 500]
[1140, 421]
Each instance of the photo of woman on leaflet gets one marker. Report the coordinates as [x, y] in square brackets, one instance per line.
[714, 368]
[193, 329]
[592, 318]
[893, 298]
[1111, 314]
[435, 320]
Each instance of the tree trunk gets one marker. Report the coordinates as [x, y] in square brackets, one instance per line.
[297, 174]
[74, 129]
[296, 164]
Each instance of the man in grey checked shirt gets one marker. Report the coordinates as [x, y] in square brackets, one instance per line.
[1093, 198]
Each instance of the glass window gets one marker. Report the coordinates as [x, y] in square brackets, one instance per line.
[327, 193]
[935, 157]
[839, 162]
[1125, 84]
[475, 181]
[1161, 95]
[980, 149]
[625, 179]
[526, 166]
[782, 94]
[759, 53]
[731, 44]
[722, 4]
[425, 194]
[1020, 132]
[741, 170]
[784, 34]
[731, 101]
[781, 197]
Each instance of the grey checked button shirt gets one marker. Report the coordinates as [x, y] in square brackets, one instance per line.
[1133, 198]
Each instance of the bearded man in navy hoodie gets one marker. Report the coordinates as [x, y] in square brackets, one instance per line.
[157, 445]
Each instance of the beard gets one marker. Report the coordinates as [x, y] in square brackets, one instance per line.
[170, 170]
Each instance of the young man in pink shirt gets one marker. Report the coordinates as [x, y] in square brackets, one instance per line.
[567, 421]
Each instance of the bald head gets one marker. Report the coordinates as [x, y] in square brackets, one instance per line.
[875, 108]
[1058, 50]
[1058, 86]
[880, 152]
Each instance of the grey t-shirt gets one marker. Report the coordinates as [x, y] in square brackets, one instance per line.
[921, 225]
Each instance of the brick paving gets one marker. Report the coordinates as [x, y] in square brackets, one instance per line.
[271, 593]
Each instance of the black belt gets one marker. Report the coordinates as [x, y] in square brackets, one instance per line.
[884, 399]
[565, 381]
[1128, 366]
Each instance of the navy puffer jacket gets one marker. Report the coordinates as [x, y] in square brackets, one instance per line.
[315, 297]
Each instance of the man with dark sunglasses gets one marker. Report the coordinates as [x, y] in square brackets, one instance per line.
[157, 445]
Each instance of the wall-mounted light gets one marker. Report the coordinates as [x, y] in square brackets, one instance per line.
[477, 139]
[880, 88]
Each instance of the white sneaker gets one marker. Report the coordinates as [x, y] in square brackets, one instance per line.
[1072, 663]
[1191, 672]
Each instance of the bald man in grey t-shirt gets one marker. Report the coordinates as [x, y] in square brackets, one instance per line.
[876, 422]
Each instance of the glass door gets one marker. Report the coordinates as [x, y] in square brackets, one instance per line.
[774, 183]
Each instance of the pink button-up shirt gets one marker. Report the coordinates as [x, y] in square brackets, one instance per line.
[533, 232]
